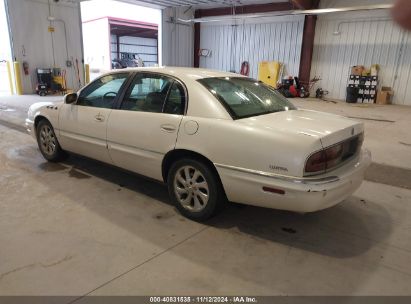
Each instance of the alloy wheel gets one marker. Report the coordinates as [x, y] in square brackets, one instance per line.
[48, 141]
[191, 188]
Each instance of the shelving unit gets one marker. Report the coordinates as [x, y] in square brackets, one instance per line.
[366, 88]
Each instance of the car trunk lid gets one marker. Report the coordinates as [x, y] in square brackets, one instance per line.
[329, 128]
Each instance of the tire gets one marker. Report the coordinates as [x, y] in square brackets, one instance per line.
[48, 143]
[197, 199]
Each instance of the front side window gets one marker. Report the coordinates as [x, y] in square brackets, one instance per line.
[102, 92]
[147, 93]
[245, 97]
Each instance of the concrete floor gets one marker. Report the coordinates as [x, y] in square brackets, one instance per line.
[84, 228]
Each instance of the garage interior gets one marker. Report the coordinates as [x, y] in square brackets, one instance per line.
[81, 228]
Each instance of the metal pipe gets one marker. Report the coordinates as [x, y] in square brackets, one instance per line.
[52, 37]
[178, 23]
[81, 36]
[338, 30]
[52, 19]
[290, 13]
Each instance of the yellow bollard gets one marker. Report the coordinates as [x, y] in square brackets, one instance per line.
[19, 87]
[87, 72]
[10, 78]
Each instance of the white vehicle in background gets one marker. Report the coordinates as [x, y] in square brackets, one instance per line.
[211, 136]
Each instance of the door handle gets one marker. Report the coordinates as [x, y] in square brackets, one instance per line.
[99, 118]
[168, 128]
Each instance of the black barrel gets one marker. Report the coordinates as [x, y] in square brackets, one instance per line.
[352, 94]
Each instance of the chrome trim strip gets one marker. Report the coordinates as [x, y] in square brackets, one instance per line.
[294, 179]
[126, 148]
[84, 138]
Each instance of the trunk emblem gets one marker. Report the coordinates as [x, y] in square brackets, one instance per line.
[278, 168]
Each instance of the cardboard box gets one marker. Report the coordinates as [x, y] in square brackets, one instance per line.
[357, 70]
[384, 96]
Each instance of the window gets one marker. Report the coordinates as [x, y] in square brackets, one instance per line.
[245, 97]
[176, 100]
[102, 92]
[147, 93]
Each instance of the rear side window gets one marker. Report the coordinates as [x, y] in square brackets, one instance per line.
[245, 97]
[147, 93]
[156, 94]
[176, 100]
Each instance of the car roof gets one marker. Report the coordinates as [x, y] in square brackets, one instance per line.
[181, 72]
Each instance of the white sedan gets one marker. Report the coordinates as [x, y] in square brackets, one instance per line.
[211, 136]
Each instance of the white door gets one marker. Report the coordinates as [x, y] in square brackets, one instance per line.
[145, 127]
[83, 125]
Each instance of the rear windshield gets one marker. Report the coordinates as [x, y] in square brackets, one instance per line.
[245, 97]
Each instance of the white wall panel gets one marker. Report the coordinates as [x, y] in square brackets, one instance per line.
[5, 50]
[402, 87]
[177, 38]
[364, 39]
[96, 47]
[33, 43]
[276, 39]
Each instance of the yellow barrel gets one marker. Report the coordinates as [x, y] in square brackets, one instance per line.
[87, 71]
[59, 80]
[269, 72]
[19, 87]
[10, 78]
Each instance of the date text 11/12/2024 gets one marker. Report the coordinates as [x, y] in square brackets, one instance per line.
[203, 299]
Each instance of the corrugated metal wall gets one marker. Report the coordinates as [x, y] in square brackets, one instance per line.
[276, 39]
[34, 44]
[146, 48]
[178, 38]
[402, 87]
[364, 39]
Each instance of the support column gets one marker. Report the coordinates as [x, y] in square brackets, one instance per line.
[118, 47]
[197, 30]
[307, 48]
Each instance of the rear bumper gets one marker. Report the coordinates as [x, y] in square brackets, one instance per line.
[300, 194]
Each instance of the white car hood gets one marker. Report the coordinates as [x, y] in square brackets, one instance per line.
[329, 128]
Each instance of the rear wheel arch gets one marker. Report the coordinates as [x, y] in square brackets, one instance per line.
[194, 184]
[175, 155]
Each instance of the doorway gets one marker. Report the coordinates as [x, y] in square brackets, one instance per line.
[5, 53]
[118, 35]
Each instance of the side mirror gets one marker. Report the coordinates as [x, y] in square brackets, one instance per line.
[70, 98]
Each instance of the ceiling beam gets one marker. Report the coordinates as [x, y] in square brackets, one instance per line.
[305, 4]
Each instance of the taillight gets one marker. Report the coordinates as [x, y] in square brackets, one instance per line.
[333, 155]
[360, 140]
[325, 159]
[317, 162]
